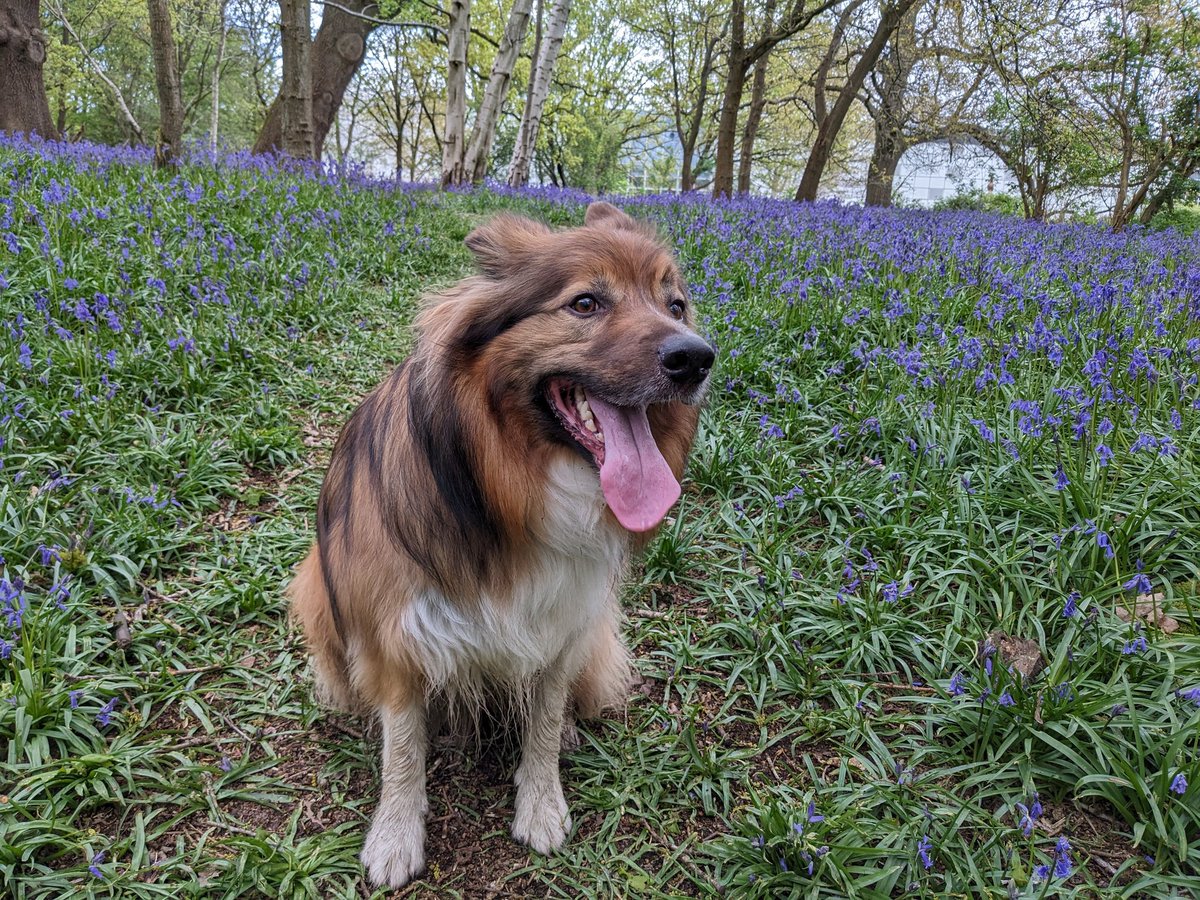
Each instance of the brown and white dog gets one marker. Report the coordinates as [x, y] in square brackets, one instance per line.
[481, 505]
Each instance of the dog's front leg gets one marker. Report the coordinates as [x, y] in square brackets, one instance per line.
[542, 820]
[395, 848]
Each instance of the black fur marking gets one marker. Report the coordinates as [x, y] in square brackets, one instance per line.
[464, 519]
[324, 536]
[484, 331]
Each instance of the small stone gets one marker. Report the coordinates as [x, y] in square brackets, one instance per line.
[1149, 608]
[1021, 655]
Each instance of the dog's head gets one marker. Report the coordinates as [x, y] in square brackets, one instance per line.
[583, 339]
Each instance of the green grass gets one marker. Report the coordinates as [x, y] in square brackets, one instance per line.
[769, 680]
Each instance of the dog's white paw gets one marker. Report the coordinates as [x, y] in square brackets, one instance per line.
[394, 853]
[542, 820]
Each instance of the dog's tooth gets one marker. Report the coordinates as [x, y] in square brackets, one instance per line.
[584, 409]
[590, 424]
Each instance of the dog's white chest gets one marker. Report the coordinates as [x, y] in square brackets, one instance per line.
[568, 583]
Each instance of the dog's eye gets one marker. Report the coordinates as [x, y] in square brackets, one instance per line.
[676, 308]
[584, 305]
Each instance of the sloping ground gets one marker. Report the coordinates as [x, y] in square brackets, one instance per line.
[924, 429]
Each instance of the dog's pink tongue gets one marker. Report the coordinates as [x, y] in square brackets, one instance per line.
[637, 482]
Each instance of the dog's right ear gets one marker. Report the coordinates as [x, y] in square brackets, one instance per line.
[504, 244]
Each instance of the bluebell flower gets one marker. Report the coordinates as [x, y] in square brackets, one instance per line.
[1062, 858]
[105, 714]
[812, 812]
[1137, 645]
[94, 867]
[955, 688]
[1179, 784]
[923, 848]
[1060, 478]
[1070, 607]
[1140, 584]
[1029, 815]
[984, 432]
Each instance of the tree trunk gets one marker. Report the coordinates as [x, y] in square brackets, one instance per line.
[822, 148]
[166, 81]
[23, 107]
[889, 147]
[295, 93]
[758, 100]
[484, 133]
[454, 136]
[735, 84]
[336, 54]
[215, 119]
[686, 178]
[539, 88]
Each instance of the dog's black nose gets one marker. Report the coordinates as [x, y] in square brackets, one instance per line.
[686, 359]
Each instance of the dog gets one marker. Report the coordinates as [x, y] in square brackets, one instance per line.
[482, 504]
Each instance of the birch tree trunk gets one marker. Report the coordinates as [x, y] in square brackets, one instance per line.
[215, 121]
[295, 94]
[539, 88]
[23, 104]
[166, 81]
[484, 133]
[454, 135]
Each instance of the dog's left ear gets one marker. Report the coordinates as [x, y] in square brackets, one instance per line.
[605, 215]
[504, 244]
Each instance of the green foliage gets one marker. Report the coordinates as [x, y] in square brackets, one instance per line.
[983, 201]
[1185, 219]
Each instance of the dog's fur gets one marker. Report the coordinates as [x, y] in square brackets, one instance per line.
[464, 546]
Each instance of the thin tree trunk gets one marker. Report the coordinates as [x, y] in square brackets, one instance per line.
[484, 133]
[758, 100]
[296, 91]
[61, 88]
[731, 100]
[169, 140]
[337, 52]
[454, 135]
[539, 88]
[689, 137]
[822, 148]
[215, 120]
[23, 103]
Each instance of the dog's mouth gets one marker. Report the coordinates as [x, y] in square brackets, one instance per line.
[637, 482]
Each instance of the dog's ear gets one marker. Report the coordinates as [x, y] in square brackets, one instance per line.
[504, 244]
[605, 215]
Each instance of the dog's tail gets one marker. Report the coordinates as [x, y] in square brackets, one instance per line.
[311, 608]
